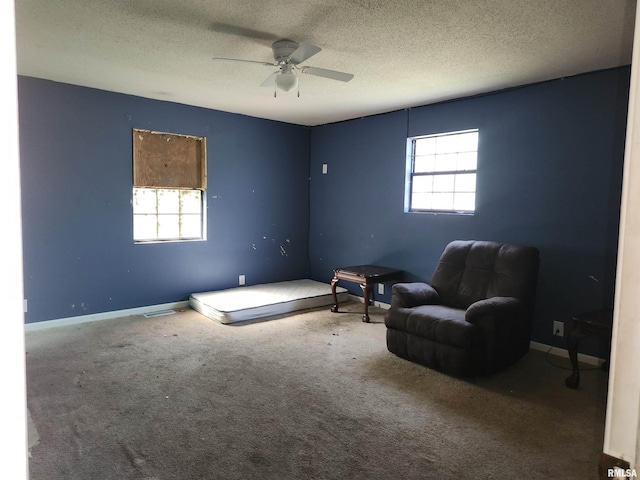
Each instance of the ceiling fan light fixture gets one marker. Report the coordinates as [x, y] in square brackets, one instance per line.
[288, 56]
[286, 81]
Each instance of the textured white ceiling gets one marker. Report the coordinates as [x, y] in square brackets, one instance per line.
[403, 53]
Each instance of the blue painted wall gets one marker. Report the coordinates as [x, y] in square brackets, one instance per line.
[549, 174]
[76, 162]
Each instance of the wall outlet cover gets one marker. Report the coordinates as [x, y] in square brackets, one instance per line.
[558, 328]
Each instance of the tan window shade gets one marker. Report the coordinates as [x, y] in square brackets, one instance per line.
[167, 160]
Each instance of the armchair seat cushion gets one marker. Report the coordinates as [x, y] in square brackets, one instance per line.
[439, 323]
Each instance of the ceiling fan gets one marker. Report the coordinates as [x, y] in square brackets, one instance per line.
[288, 56]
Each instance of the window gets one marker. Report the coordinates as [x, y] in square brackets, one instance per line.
[169, 178]
[441, 172]
[167, 214]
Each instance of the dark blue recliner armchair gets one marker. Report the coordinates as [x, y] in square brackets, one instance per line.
[474, 318]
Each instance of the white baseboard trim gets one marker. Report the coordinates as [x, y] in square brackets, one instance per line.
[30, 327]
[385, 306]
[564, 353]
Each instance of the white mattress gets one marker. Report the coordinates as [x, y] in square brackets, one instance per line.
[262, 301]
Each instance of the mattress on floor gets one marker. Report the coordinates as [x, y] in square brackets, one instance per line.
[265, 300]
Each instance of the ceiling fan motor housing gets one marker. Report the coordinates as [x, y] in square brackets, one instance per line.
[282, 50]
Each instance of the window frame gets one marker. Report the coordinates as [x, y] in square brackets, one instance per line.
[163, 239]
[169, 161]
[411, 174]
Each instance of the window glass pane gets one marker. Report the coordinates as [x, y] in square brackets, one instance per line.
[190, 201]
[425, 146]
[466, 142]
[467, 161]
[464, 201]
[466, 182]
[423, 183]
[144, 200]
[145, 227]
[443, 183]
[168, 201]
[445, 163]
[191, 226]
[421, 201]
[425, 164]
[447, 144]
[168, 226]
[443, 201]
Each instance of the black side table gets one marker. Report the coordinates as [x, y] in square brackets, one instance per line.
[598, 323]
[366, 276]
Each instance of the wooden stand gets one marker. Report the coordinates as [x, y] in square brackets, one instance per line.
[366, 276]
[599, 323]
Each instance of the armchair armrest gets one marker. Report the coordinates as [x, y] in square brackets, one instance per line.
[494, 306]
[409, 295]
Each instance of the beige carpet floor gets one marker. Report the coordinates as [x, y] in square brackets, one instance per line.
[309, 396]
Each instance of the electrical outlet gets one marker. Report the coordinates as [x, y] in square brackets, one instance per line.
[26, 308]
[381, 288]
[325, 168]
[558, 328]
[241, 280]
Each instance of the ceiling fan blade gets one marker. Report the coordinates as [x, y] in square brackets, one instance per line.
[241, 31]
[270, 80]
[323, 72]
[303, 52]
[244, 61]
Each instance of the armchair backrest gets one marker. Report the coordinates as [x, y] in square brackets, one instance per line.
[471, 270]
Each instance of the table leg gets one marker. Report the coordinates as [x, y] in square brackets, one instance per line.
[334, 280]
[366, 291]
[573, 341]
